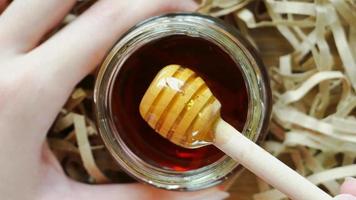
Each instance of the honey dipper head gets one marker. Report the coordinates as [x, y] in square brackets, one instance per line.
[180, 107]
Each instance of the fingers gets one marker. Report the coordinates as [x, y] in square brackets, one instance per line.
[48, 73]
[24, 22]
[84, 42]
[139, 191]
[349, 186]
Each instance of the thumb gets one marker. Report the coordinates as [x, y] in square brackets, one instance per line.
[143, 192]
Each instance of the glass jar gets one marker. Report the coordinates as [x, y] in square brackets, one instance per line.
[152, 44]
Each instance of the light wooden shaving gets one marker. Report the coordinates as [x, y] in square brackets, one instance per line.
[313, 86]
[76, 143]
[86, 151]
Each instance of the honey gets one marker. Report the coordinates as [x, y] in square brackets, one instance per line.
[210, 62]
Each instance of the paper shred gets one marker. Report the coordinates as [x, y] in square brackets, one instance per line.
[292, 116]
[62, 145]
[294, 95]
[63, 123]
[333, 174]
[85, 150]
[332, 186]
[77, 97]
[343, 47]
[300, 8]
[284, 30]
[344, 125]
[313, 86]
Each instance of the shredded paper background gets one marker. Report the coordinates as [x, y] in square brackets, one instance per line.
[313, 80]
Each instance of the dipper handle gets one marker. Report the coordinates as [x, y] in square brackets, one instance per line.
[264, 165]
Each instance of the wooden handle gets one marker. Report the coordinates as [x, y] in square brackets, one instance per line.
[264, 165]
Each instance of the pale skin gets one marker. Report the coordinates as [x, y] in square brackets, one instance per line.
[37, 78]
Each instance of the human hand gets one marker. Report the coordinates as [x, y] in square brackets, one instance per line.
[347, 190]
[37, 78]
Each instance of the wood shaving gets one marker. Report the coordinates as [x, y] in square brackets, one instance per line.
[321, 33]
[313, 86]
[86, 150]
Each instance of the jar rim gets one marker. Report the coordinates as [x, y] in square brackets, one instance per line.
[195, 25]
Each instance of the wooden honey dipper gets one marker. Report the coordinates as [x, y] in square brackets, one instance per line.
[180, 107]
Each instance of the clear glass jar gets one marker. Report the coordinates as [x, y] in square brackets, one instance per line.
[215, 31]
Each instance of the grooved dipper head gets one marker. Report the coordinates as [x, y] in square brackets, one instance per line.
[180, 107]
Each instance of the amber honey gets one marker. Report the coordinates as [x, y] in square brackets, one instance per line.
[209, 61]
